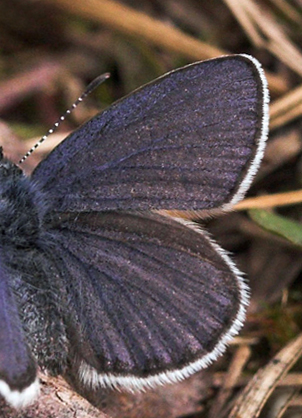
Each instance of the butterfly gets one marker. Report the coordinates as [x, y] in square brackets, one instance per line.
[93, 276]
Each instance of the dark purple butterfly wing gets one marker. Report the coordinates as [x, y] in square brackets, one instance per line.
[190, 140]
[155, 300]
[18, 381]
[131, 299]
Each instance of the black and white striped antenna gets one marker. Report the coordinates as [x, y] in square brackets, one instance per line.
[93, 85]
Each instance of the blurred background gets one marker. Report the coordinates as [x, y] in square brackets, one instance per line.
[50, 50]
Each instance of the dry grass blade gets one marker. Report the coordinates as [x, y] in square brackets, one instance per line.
[278, 199]
[260, 202]
[232, 376]
[136, 24]
[264, 32]
[245, 21]
[289, 115]
[292, 379]
[19, 86]
[288, 398]
[254, 396]
[289, 100]
[288, 381]
[279, 151]
[297, 402]
[286, 108]
[288, 10]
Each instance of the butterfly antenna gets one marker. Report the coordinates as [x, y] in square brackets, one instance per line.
[92, 86]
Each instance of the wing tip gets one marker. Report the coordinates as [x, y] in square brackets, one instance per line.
[251, 172]
[22, 398]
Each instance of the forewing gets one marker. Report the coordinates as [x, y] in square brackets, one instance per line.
[191, 139]
[18, 381]
[154, 299]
